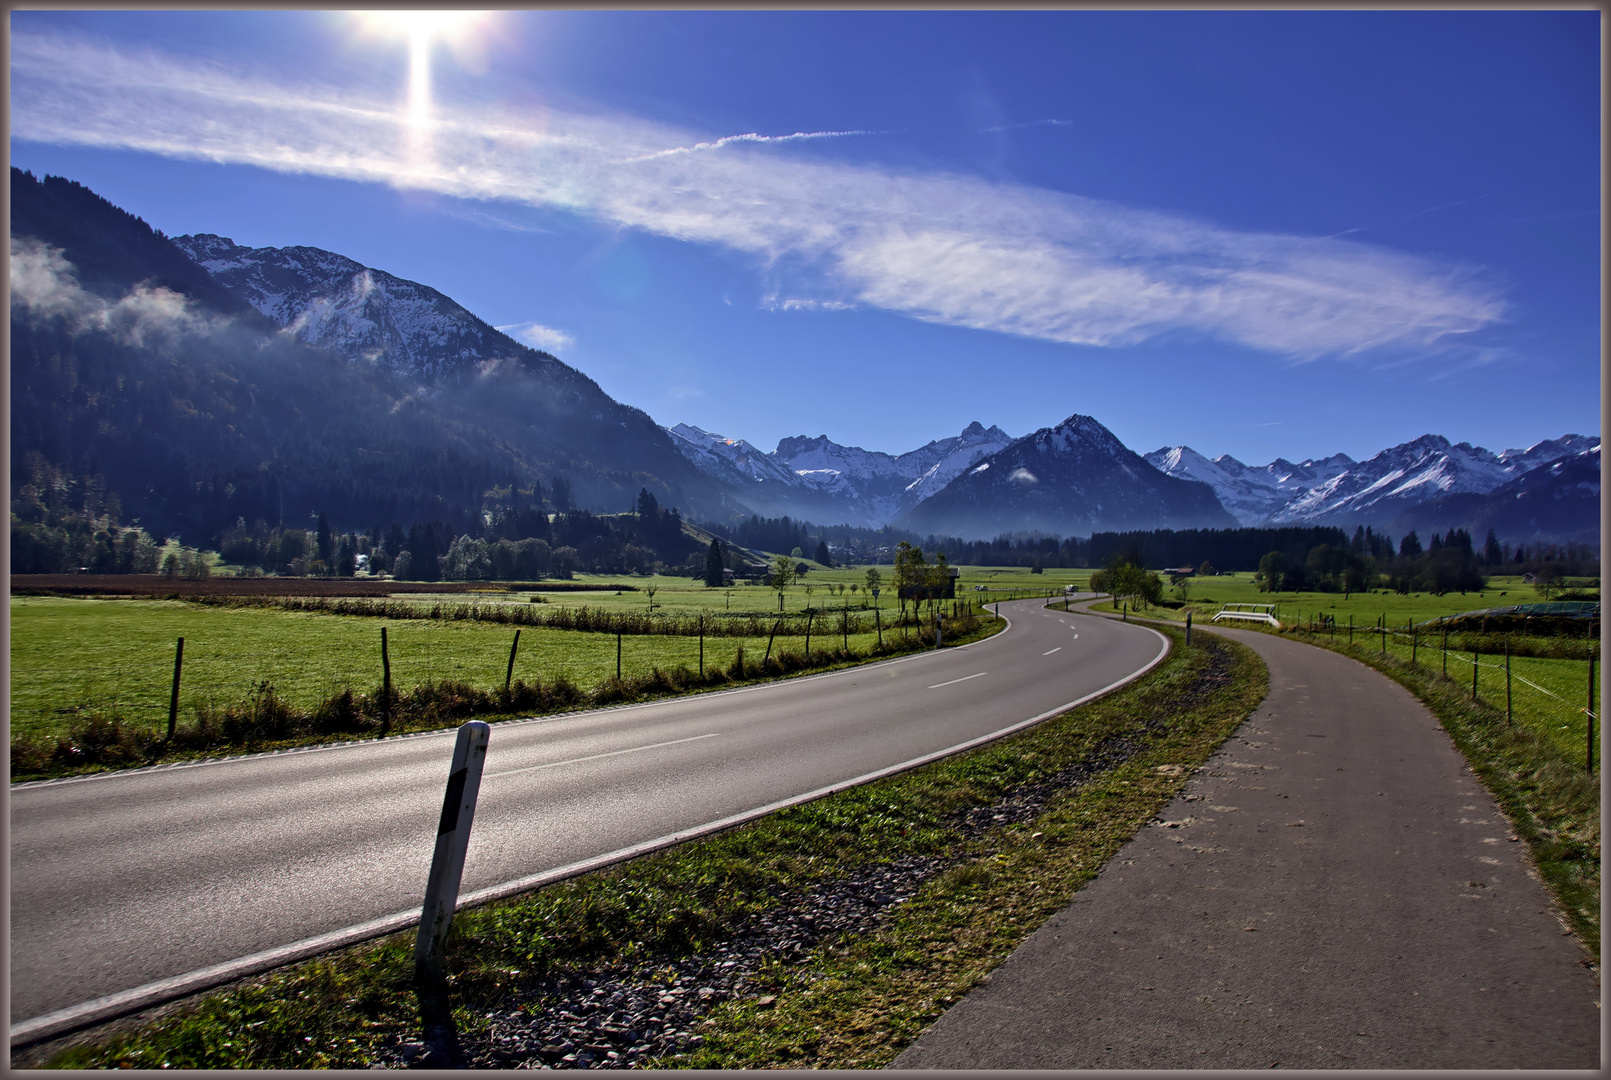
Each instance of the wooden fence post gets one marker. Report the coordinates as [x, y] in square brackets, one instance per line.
[1474, 674]
[385, 686]
[701, 646]
[1188, 627]
[1507, 679]
[510, 674]
[618, 656]
[173, 699]
[769, 641]
[1590, 758]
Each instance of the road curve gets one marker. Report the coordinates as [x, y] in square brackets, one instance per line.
[124, 886]
[1333, 889]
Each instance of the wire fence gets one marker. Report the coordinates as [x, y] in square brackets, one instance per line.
[1569, 720]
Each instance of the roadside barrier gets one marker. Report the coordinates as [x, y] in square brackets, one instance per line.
[452, 841]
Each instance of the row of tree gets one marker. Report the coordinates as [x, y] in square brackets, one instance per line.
[1448, 565]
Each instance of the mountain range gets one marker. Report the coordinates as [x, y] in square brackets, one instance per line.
[1383, 489]
[821, 480]
[207, 380]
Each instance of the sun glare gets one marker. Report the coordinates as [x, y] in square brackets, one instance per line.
[458, 30]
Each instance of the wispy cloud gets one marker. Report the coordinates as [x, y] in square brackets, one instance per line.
[539, 336]
[1029, 124]
[950, 249]
[752, 137]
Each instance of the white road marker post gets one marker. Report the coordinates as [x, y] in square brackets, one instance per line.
[452, 841]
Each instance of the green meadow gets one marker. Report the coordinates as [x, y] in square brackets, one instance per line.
[823, 588]
[71, 657]
[1548, 696]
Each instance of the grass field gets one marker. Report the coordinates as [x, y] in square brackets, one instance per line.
[675, 595]
[1208, 595]
[1552, 705]
[72, 656]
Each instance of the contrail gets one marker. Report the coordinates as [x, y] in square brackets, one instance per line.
[798, 136]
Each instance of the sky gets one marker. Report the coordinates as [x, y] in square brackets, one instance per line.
[1268, 234]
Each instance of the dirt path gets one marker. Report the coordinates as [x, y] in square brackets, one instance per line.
[1334, 889]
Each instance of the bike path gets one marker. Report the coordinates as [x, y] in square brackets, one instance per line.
[1333, 889]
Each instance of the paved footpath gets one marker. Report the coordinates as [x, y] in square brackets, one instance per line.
[1333, 889]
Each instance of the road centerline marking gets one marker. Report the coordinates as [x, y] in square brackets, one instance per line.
[595, 757]
[953, 682]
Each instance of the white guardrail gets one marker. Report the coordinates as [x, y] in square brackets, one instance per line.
[1263, 613]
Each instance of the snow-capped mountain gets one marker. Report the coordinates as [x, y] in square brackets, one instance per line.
[1557, 502]
[1339, 490]
[1383, 486]
[1252, 493]
[555, 419]
[1070, 480]
[357, 311]
[732, 461]
[825, 481]
[1543, 453]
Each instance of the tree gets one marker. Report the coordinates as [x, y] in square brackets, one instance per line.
[1491, 555]
[714, 564]
[1206, 569]
[911, 570]
[873, 578]
[325, 551]
[782, 576]
[1410, 546]
[1125, 580]
[1272, 572]
[823, 556]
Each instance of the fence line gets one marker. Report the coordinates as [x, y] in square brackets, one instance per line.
[1464, 659]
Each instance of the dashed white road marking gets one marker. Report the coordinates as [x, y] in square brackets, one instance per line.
[953, 682]
[1049, 652]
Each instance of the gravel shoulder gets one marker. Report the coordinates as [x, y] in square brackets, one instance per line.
[1333, 889]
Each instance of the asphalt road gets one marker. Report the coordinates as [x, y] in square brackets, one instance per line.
[127, 880]
[1334, 889]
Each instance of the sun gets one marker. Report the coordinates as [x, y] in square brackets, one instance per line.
[459, 30]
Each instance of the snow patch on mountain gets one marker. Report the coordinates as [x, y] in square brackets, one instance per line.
[332, 302]
[863, 487]
[1340, 490]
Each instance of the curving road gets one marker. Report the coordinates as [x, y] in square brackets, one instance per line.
[1333, 889]
[132, 888]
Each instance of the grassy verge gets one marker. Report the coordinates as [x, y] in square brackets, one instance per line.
[72, 719]
[854, 999]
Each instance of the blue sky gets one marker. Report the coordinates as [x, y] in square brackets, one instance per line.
[1261, 233]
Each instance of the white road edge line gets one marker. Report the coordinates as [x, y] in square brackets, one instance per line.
[1049, 652]
[154, 993]
[595, 757]
[953, 682]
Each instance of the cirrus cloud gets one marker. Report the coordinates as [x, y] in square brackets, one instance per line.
[945, 248]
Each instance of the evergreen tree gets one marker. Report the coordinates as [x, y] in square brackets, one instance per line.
[1491, 554]
[713, 564]
[823, 555]
[326, 552]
